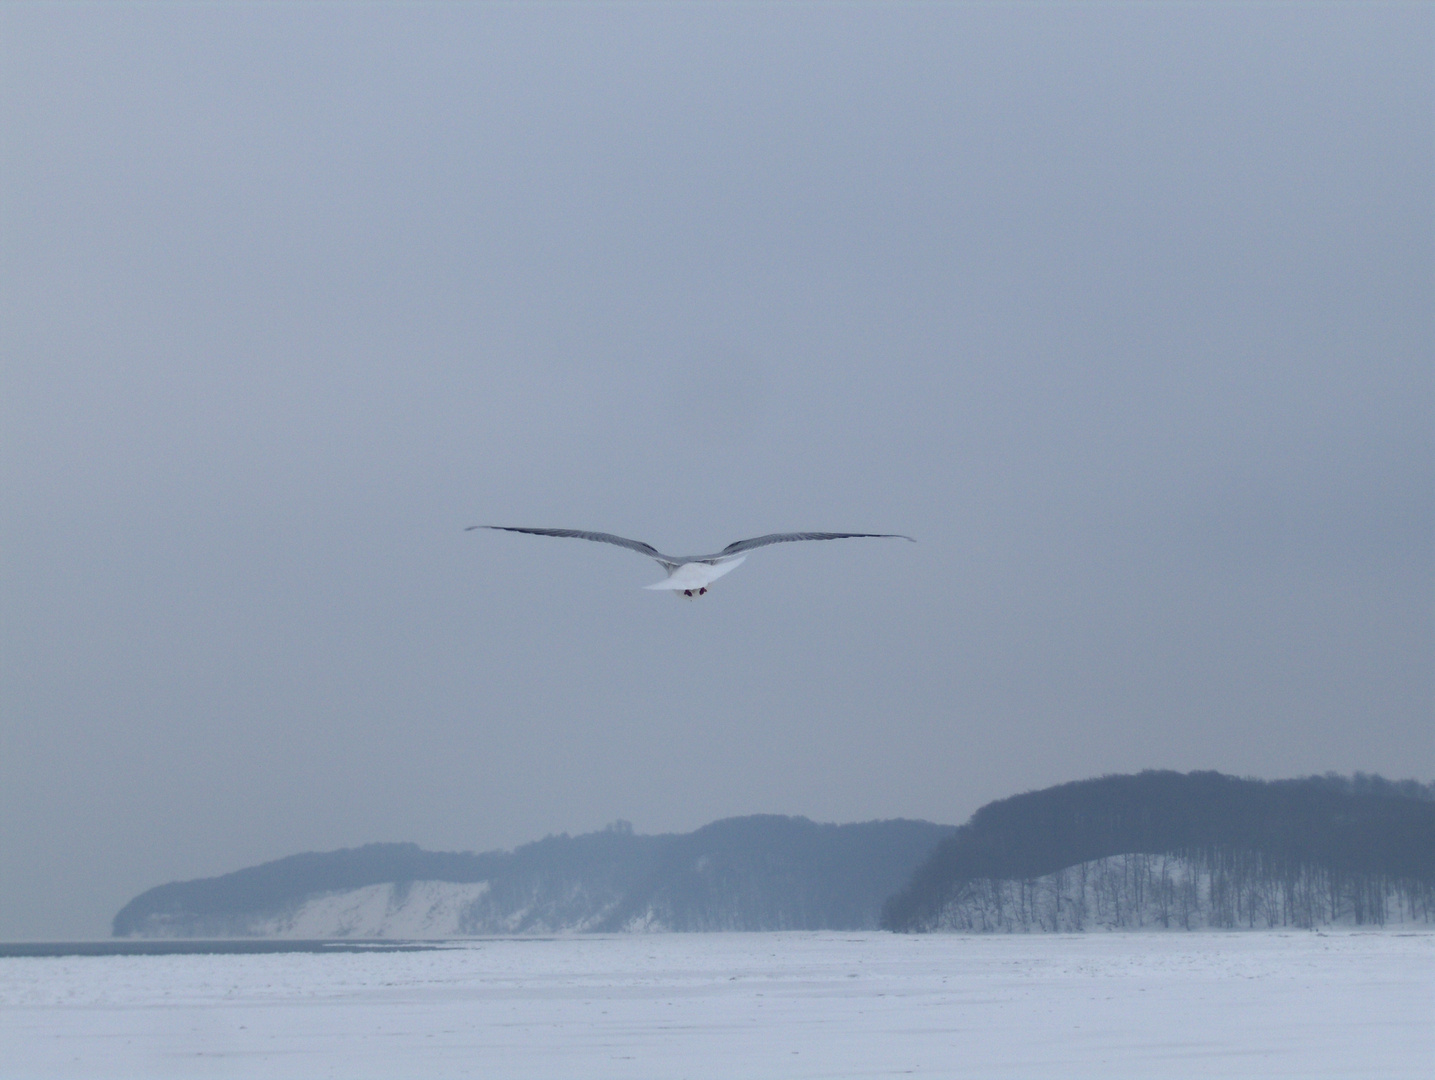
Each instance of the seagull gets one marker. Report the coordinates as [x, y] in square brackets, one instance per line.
[690, 575]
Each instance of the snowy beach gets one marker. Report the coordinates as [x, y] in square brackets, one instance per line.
[1267, 1004]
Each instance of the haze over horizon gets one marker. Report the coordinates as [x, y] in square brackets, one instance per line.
[1125, 312]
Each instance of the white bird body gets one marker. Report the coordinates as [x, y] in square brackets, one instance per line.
[690, 575]
[693, 578]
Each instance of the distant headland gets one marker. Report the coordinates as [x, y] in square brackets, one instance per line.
[1155, 850]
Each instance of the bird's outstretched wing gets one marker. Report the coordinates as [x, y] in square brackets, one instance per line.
[785, 538]
[578, 534]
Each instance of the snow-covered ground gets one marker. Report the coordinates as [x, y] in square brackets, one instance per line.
[1244, 1004]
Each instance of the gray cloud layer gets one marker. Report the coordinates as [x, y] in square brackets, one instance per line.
[1123, 311]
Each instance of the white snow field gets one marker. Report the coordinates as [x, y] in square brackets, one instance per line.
[1238, 1004]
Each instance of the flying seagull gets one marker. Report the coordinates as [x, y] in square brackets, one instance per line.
[690, 575]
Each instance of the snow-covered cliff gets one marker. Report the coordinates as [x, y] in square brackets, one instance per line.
[754, 873]
[417, 909]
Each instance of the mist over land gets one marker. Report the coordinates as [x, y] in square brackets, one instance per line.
[755, 873]
[1123, 311]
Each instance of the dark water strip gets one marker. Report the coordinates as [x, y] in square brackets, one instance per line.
[193, 947]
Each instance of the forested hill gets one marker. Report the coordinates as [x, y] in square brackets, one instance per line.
[1286, 852]
[753, 873]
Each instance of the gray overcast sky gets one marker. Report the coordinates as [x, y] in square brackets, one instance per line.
[1125, 312]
